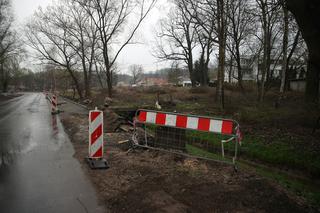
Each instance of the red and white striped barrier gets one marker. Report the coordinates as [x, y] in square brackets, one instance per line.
[227, 127]
[223, 126]
[95, 134]
[95, 158]
[54, 104]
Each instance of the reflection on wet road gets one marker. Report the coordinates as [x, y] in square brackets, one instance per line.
[37, 170]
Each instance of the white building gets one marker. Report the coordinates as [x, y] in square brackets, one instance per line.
[251, 66]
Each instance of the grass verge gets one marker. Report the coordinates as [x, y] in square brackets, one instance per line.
[279, 151]
[301, 187]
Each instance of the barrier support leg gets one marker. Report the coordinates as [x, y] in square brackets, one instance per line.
[222, 145]
[145, 135]
[222, 149]
[235, 154]
[97, 163]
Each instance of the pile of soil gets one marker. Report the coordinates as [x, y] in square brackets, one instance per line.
[151, 181]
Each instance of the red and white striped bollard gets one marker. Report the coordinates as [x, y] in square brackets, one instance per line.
[95, 157]
[54, 104]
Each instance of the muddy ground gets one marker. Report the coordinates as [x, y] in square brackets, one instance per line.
[153, 181]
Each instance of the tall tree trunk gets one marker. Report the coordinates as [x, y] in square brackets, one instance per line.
[76, 82]
[239, 68]
[240, 81]
[206, 66]
[203, 72]
[263, 74]
[266, 57]
[109, 81]
[230, 69]
[220, 85]
[205, 75]
[191, 72]
[108, 70]
[90, 68]
[222, 52]
[284, 47]
[306, 13]
[203, 68]
[84, 67]
[190, 62]
[85, 79]
[294, 46]
[267, 23]
[313, 75]
[4, 79]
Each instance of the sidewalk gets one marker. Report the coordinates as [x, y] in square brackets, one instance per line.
[69, 107]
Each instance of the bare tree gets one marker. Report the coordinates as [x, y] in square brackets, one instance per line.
[6, 32]
[51, 41]
[294, 49]
[268, 16]
[136, 72]
[204, 15]
[284, 46]
[8, 68]
[239, 32]
[110, 17]
[84, 38]
[196, 23]
[212, 18]
[10, 49]
[65, 35]
[306, 13]
[177, 37]
[222, 6]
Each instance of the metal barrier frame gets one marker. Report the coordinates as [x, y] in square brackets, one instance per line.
[233, 136]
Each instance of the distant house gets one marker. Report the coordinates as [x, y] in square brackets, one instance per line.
[298, 85]
[186, 83]
[252, 66]
[122, 84]
[297, 80]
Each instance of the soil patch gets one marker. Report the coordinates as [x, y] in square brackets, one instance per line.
[152, 181]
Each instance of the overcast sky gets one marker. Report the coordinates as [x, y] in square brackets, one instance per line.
[133, 54]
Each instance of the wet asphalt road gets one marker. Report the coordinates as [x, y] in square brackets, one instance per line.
[37, 170]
